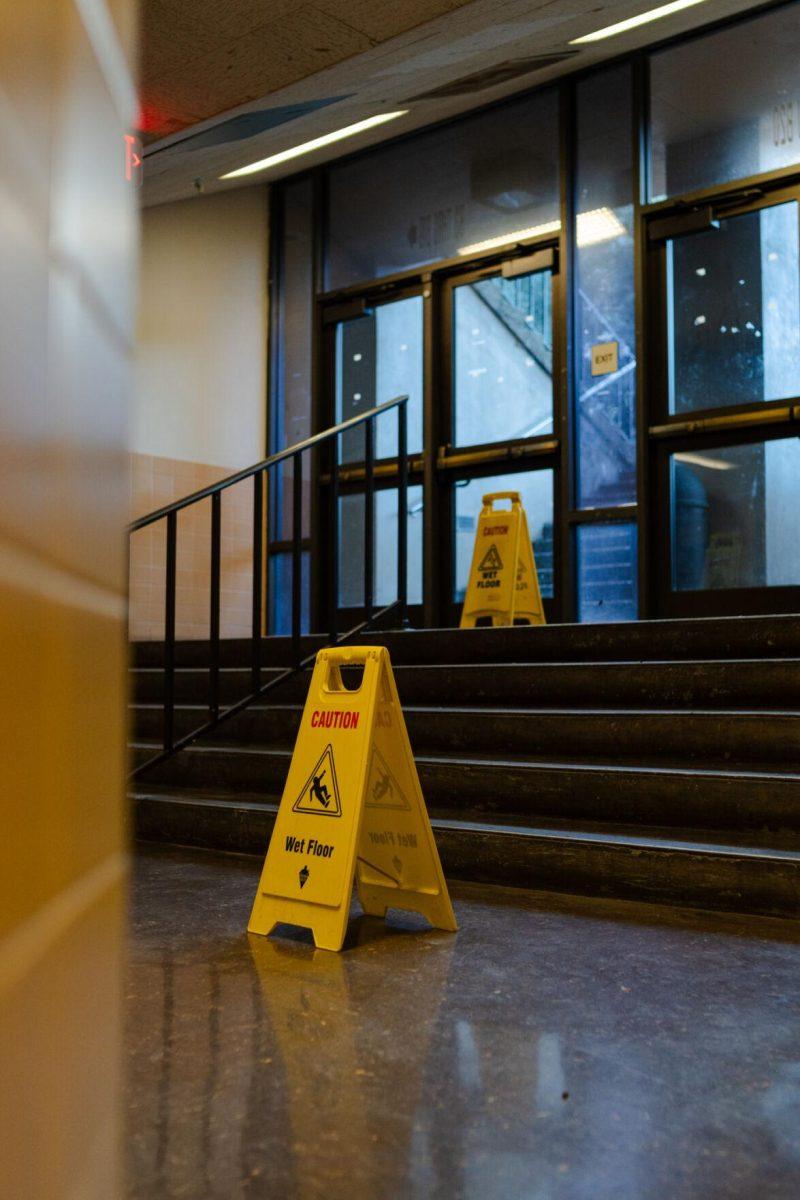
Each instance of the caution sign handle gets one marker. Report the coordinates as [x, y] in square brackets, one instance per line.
[490, 497]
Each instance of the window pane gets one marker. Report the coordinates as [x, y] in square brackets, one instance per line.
[734, 516]
[378, 357]
[503, 359]
[604, 293]
[734, 312]
[429, 197]
[725, 106]
[536, 491]
[351, 547]
[291, 402]
[607, 572]
[292, 408]
[280, 594]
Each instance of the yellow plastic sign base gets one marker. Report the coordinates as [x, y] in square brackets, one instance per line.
[503, 586]
[352, 808]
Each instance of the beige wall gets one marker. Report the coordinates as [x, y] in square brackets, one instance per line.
[201, 365]
[200, 408]
[67, 250]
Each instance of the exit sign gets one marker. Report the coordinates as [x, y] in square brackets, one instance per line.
[605, 358]
[133, 160]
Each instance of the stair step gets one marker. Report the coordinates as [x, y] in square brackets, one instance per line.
[718, 737]
[688, 797]
[760, 637]
[686, 788]
[739, 683]
[561, 857]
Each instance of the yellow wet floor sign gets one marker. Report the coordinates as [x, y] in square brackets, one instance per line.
[503, 587]
[352, 808]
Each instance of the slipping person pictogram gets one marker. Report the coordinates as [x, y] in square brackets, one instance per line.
[491, 560]
[319, 791]
[383, 791]
[320, 794]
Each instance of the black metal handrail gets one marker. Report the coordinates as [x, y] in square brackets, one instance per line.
[169, 513]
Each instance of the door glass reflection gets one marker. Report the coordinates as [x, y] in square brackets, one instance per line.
[607, 572]
[734, 312]
[378, 357]
[536, 491]
[503, 359]
[734, 516]
[351, 547]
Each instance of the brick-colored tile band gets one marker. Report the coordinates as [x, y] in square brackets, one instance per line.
[156, 481]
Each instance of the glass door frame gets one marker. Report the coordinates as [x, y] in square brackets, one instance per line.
[352, 475]
[432, 468]
[668, 433]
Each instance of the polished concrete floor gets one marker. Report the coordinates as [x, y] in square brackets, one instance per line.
[553, 1049]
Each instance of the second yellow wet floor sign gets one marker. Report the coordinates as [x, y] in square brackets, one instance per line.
[352, 808]
[503, 586]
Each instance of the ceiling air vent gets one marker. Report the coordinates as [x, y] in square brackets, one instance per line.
[251, 124]
[492, 76]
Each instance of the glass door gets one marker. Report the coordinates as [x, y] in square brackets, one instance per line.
[724, 446]
[374, 355]
[497, 412]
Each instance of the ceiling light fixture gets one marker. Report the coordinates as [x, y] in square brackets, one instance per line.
[653, 14]
[599, 225]
[703, 460]
[510, 239]
[327, 139]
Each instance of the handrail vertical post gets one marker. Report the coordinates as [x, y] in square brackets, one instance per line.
[169, 631]
[259, 473]
[333, 577]
[258, 570]
[369, 519]
[297, 555]
[402, 513]
[214, 606]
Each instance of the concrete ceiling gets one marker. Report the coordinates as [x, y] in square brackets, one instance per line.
[290, 72]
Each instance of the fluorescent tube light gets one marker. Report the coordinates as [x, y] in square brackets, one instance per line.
[508, 239]
[599, 225]
[703, 460]
[327, 139]
[653, 14]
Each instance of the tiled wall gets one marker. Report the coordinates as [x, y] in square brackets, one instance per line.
[158, 481]
[67, 252]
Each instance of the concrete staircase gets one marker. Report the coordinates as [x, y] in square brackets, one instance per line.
[654, 761]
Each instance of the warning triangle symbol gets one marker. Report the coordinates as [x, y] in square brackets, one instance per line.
[383, 790]
[320, 794]
[491, 560]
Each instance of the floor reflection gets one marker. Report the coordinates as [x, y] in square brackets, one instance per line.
[552, 1049]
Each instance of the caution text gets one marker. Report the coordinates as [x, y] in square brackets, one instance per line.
[335, 718]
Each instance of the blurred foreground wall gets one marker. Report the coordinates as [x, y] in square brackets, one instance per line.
[67, 264]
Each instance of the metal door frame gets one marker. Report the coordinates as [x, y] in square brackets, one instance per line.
[729, 425]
